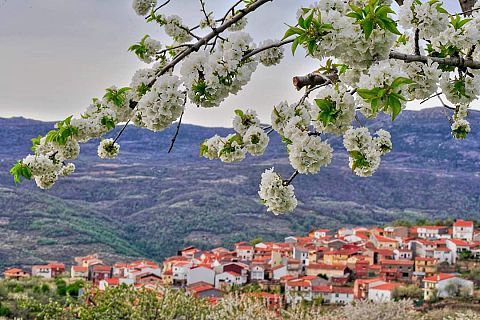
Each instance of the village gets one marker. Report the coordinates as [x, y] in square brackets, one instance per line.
[326, 266]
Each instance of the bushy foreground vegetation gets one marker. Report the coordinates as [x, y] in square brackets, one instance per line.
[126, 303]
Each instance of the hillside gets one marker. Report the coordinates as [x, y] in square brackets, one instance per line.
[150, 203]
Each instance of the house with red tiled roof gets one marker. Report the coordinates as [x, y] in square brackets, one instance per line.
[227, 279]
[381, 242]
[362, 286]
[457, 246]
[204, 290]
[333, 294]
[432, 232]
[463, 230]
[100, 272]
[244, 251]
[15, 273]
[321, 233]
[340, 256]
[200, 273]
[49, 271]
[403, 268]
[382, 292]
[443, 254]
[79, 272]
[445, 285]
[327, 270]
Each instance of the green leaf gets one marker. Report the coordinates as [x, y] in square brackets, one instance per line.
[239, 113]
[367, 94]
[367, 26]
[20, 170]
[395, 105]
[400, 81]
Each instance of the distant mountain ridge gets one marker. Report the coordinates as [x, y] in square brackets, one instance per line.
[149, 203]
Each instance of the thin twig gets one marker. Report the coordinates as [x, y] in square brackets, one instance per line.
[174, 138]
[158, 8]
[433, 96]
[289, 181]
[274, 45]
[121, 131]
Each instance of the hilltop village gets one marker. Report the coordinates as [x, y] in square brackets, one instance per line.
[326, 266]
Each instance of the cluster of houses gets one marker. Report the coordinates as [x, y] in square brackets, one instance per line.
[327, 266]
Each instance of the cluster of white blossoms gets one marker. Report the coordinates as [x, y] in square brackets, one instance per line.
[249, 138]
[272, 56]
[278, 197]
[309, 153]
[152, 47]
[211, 77]
[460, 127]
[382, 75]
[174, 27]
[428, 17]
[334, 110]
[460, 89]
[291, 120]
[365, 151]
[345, 40]
[142, 7]
[93, 123]
[108, 149]
[162, 105]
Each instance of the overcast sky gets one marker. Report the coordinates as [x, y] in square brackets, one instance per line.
[55, 55]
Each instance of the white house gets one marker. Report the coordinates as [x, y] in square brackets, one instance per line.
[403, 254]
[257, 272]
[244, 250]
[432, 232]
[382, 292]
[322, 233]
[443, 254]
[457, 246]
[463, 230]
[179, 271]
[279, 271]
[443, 284]
[301, 254]
[229, 278]
[200, 274]
[333, 295]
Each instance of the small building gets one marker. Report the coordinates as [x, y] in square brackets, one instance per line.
[382, 292]
[204, 290]
[425, 267]
[100, 272]
[15, 273]
[79, 272]
[49, 271]
[463, 230]
[446, 285]
[201, 273]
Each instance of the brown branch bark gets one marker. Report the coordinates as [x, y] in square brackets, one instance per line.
[467, 5]
[313, 79]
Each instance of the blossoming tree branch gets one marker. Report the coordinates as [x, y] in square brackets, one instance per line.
[373, 60]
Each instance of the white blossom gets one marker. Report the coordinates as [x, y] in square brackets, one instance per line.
[142, 7]
[460, 90]
[243, 120]
[233, 150]
[383, 141]
[108, 149]
[67, 170]
[340, 116]
[40, 165]
[211, 147]
[255, 140]
[174, 28]
[46, 181]
[424, 16]
[364, 154]
[283, 113]
[162, 105]
[460, 129]
[278, 197]
[309, 154]
[272, 56]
